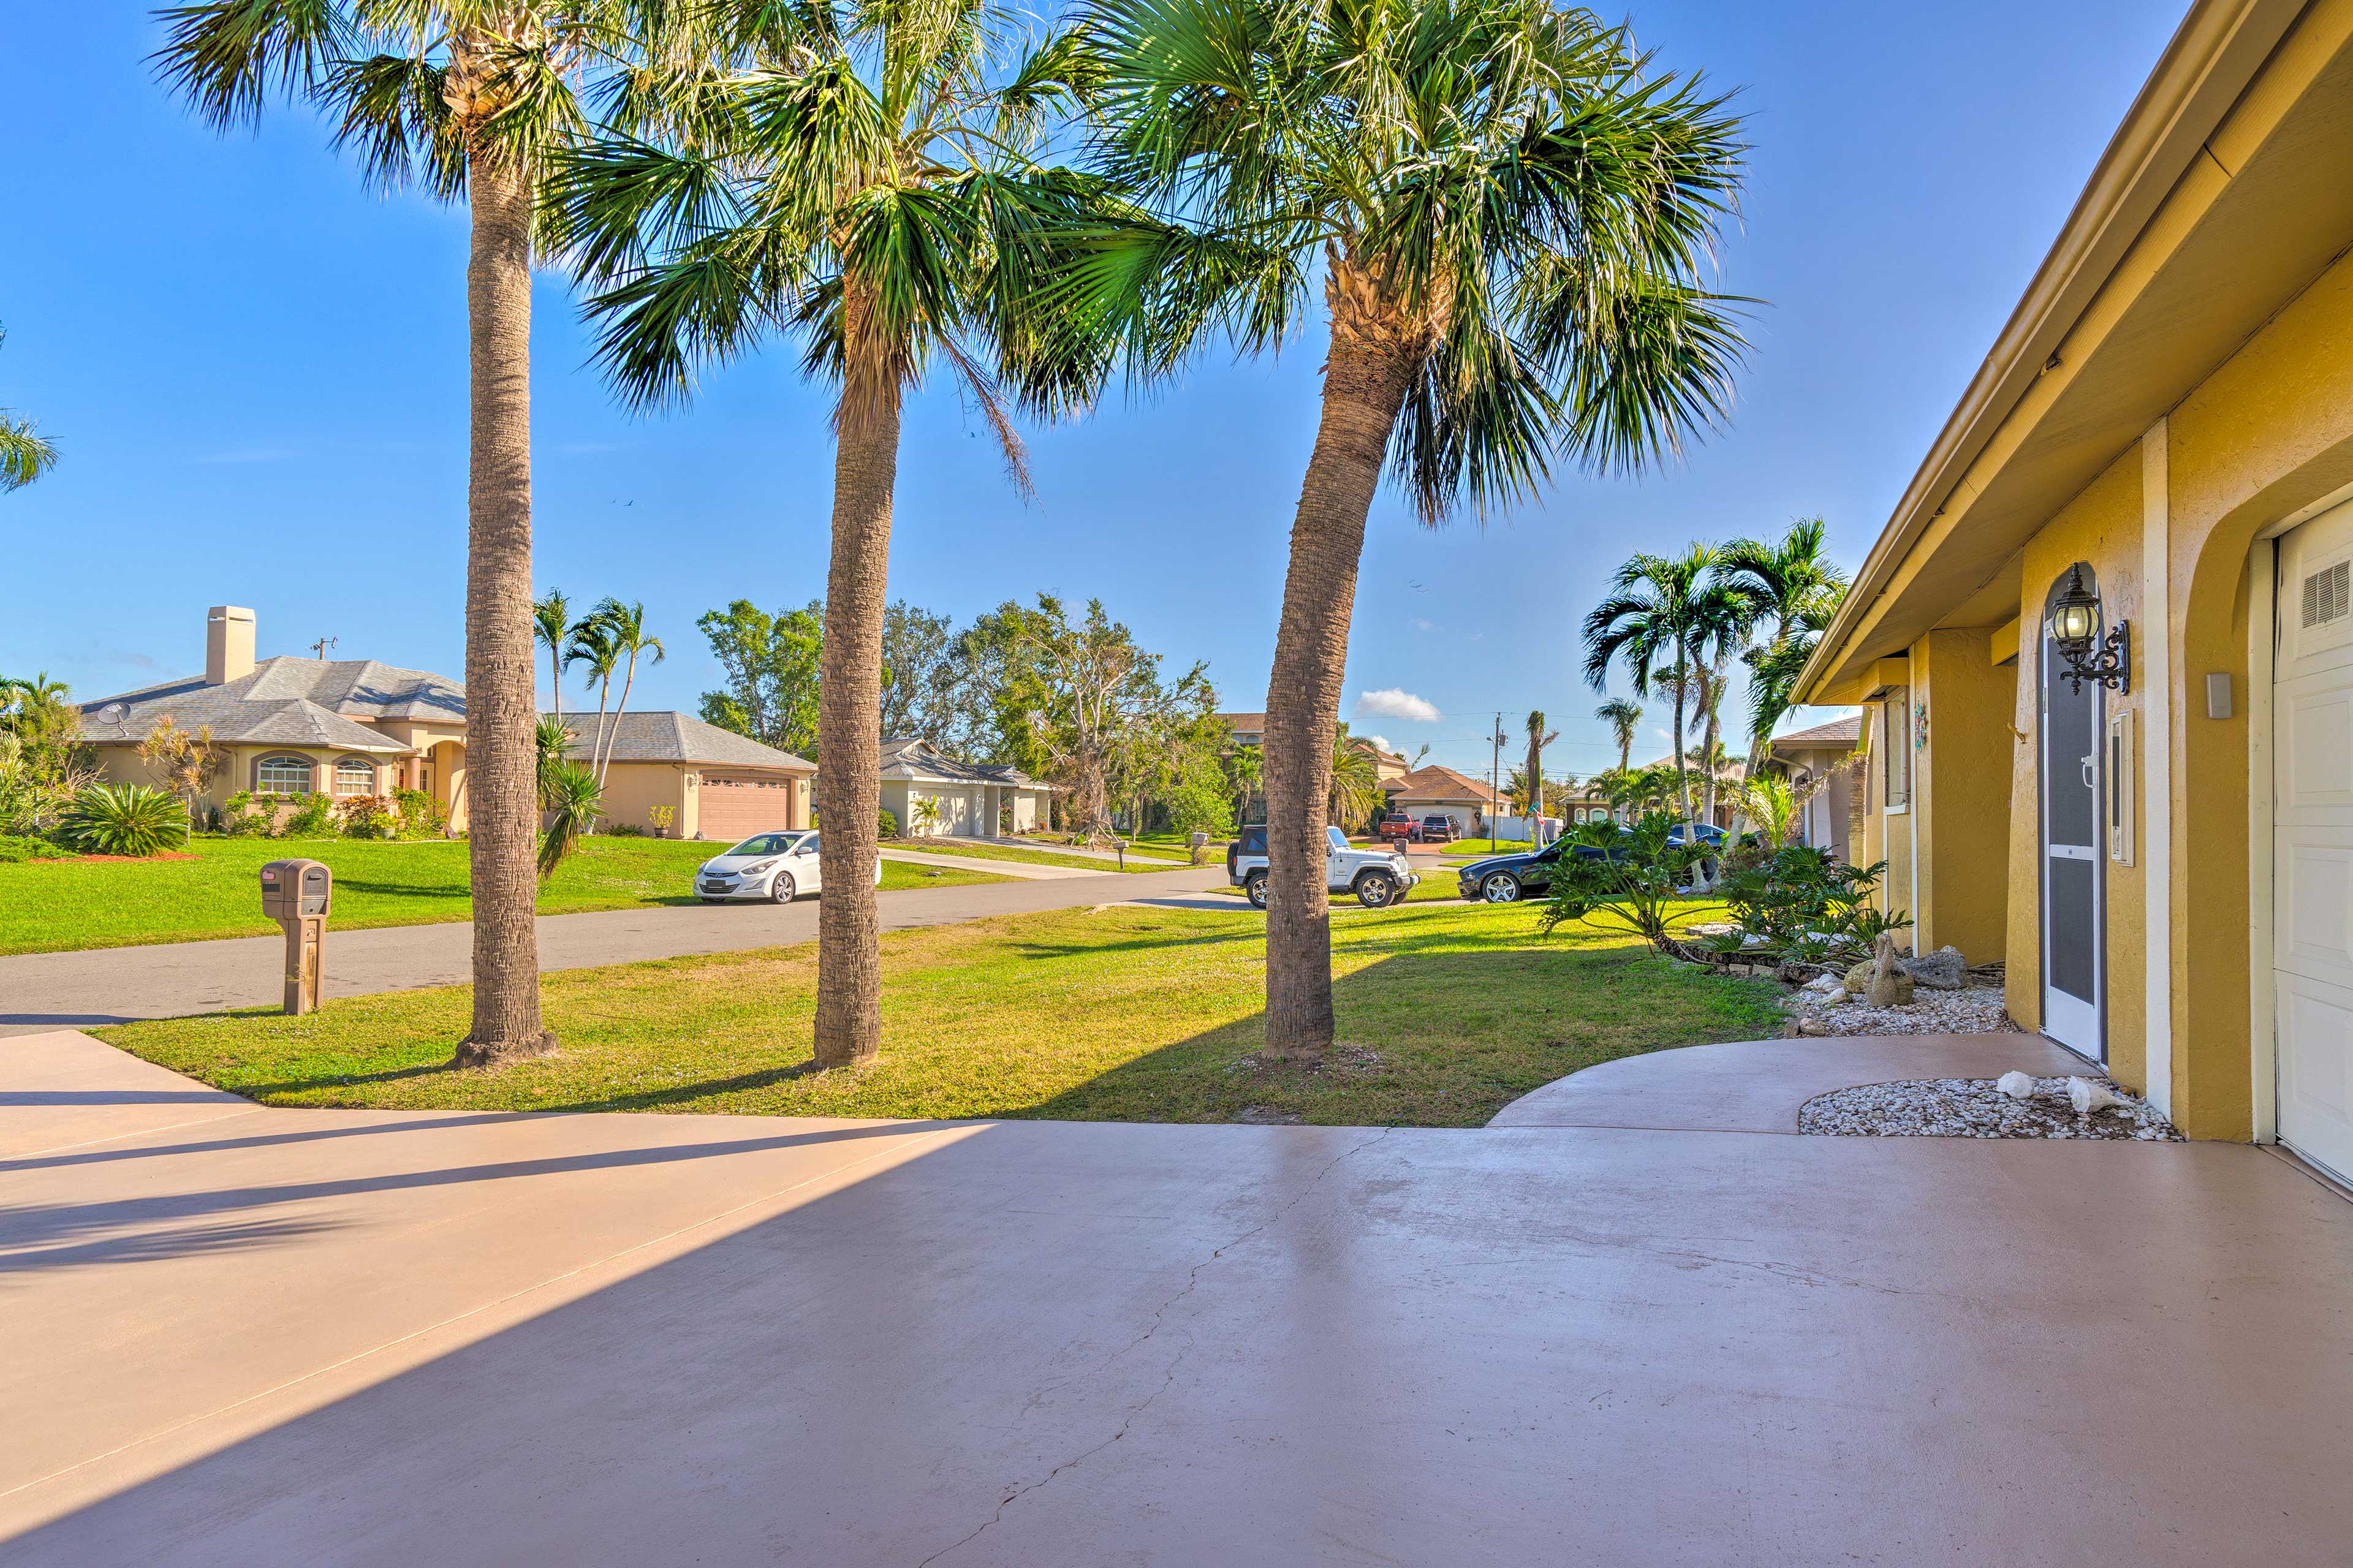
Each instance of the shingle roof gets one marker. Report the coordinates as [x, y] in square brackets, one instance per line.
[1437, 782]
[913, 757]
[664, 737]
[289, 701]
[1845, 733]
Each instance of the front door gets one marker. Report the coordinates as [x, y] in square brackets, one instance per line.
[2312, 840]
[2073, 929]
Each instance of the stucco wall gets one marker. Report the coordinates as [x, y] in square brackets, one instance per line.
[633, 789]
[1960, 805]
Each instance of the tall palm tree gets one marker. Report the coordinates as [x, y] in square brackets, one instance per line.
[596, 642]
[1794, 584]
[862, 175]
[1508, 212]
[1624, 718]
[1663, 616]
[551, 620]
[1538, 738]
[468, 101]
[24, 455]
[627, 622]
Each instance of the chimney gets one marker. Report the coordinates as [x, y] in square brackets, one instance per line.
[229, 644]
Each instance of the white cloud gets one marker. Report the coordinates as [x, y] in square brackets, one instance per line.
[1396, 703]
[1421, 625]
[1382, 742]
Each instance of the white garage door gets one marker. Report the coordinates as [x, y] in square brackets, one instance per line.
[2312, 870]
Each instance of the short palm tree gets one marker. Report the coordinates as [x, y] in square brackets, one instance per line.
[551, 622]
[1624, 719]
[1663, 616]
[25, 456]
[862, 177]
[573, 799]
[1356, 787]
[1507, 211]
[596, 642]
[626, 625]
[468, 101]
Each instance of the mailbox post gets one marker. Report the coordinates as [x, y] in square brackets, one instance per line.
[296, 894]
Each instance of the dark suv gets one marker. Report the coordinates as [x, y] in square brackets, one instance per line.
[1438, 828]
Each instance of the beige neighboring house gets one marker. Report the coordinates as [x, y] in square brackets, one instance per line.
[297, 727]
[969, 800]
[1825, 753]
[1440, 790]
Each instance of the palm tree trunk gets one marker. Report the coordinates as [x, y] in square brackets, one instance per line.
[1366, 376]
[850, 703]
[605, 762]
[1683, 774]
[501, 763]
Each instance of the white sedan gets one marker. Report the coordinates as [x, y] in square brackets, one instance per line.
[776, 867]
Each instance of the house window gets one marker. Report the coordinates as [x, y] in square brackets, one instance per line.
[282, 776]
[354, 775]
[1895, 720]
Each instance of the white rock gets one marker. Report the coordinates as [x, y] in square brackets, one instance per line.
[2087, 1096]
[2017, 1085]
[1825, 984]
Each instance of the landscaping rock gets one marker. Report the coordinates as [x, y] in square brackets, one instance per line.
[1825, 986]
[2017, 1085]
[1942, 969]
[1977, 1108]
[1975, 1011]
[1858, 978]
[1889, 985]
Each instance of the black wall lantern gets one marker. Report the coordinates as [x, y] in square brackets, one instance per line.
[2075, 624]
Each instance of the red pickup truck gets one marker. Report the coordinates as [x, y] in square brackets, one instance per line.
[1398, 827]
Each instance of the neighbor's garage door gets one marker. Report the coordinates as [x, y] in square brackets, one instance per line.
[738, 807]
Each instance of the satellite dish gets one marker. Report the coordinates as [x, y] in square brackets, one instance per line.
[114, 713]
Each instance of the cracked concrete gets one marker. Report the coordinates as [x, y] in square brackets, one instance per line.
[239, 1335]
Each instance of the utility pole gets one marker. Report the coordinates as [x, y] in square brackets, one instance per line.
[323, 645]
[1494, 763]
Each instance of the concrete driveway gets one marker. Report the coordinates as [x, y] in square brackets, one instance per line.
[238, 1336]
[44, 991]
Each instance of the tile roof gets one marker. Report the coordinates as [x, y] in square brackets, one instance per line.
[287, 701]
[667, 737]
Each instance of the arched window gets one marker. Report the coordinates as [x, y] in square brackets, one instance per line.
[282, 776]
[354, 775]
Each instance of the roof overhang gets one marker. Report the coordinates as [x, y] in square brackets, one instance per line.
[2223, 194]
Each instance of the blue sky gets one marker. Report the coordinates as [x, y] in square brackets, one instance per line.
[255, 368]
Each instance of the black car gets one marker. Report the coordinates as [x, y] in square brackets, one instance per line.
[1508, 878]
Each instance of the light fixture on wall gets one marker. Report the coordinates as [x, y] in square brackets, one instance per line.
[2075, 622]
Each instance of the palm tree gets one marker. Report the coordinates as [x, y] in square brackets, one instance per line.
[1662, 617]
[1538, 738]
[1794, 584]
[468, 101]
[550, 618]
[1355, 787]
[23, 456]
[596, 642]
[859, 176]
[627, 624]
[1624, 719]
[1507, 212]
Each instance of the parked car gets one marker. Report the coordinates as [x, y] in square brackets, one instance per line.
[1508, 878]
[1377, 877]
[1399, 827]
[1438, 828]
[774, 867]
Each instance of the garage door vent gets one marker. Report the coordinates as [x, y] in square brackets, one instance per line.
[2328, 595]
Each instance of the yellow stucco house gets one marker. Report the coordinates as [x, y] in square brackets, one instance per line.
[343, 728]
[2160, 446]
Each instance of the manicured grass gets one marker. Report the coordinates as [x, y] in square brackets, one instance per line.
[46, 906]
[1447, 1013]
[1002, 852]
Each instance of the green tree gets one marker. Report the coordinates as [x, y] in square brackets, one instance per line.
[25, 456]
[919, 674]
[1793, 583]
[626, 625]
[469, 102]
[863, 176]
[1355, 790]
[1532, 799]
[551, 622]
[595, 642]
[1624, 718]
[771, 663]
[1507, 210]
[1662, 614]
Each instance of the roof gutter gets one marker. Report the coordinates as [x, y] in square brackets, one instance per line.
[2211, 57]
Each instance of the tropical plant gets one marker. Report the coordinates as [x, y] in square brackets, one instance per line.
[1356, 788]
[1244, 771]
[595, 642]
[865, 180]
[1624, 719]
[1798, 906]
[469, 102]
[1531, 785]
[626, 625]
[552, 747]
[126, 819]
[187, 762]
[1508, 210]
[551, 622]
[1794, 584]
[1664, 614]
[25, 455]
[927, 816]
[368, 816]
[421, 815]
[1635, 880]
[574, 801]
[310, 817]
[42, 760]
[886, 825]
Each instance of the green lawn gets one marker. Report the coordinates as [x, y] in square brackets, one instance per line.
[46, 906]
[1446, 1013]
[1027, 857]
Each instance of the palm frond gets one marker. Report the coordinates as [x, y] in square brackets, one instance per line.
[228, 55]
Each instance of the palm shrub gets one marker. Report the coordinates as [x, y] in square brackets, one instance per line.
[1507, 211]
[1797, 905]
[126, 819]
[574, 799]
[552, 746]
[1633, 882]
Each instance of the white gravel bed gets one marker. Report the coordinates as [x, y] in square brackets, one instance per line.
[1973, 1107]
[1972, 1010]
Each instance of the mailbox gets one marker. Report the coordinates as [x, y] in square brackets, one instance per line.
[293, 888]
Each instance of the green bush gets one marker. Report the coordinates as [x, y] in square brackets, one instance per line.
[626, 830]
[886, 825]
[308, 819]
[246, 815]
[1632, 881]
[366, 817]
[126, 819]
[15, 848]
[421, 815]
[1796, 906]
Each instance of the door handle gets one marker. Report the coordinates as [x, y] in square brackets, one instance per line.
[2088, 781]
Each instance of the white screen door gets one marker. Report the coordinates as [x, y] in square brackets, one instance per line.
[2073, 944]
[2312, 840]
